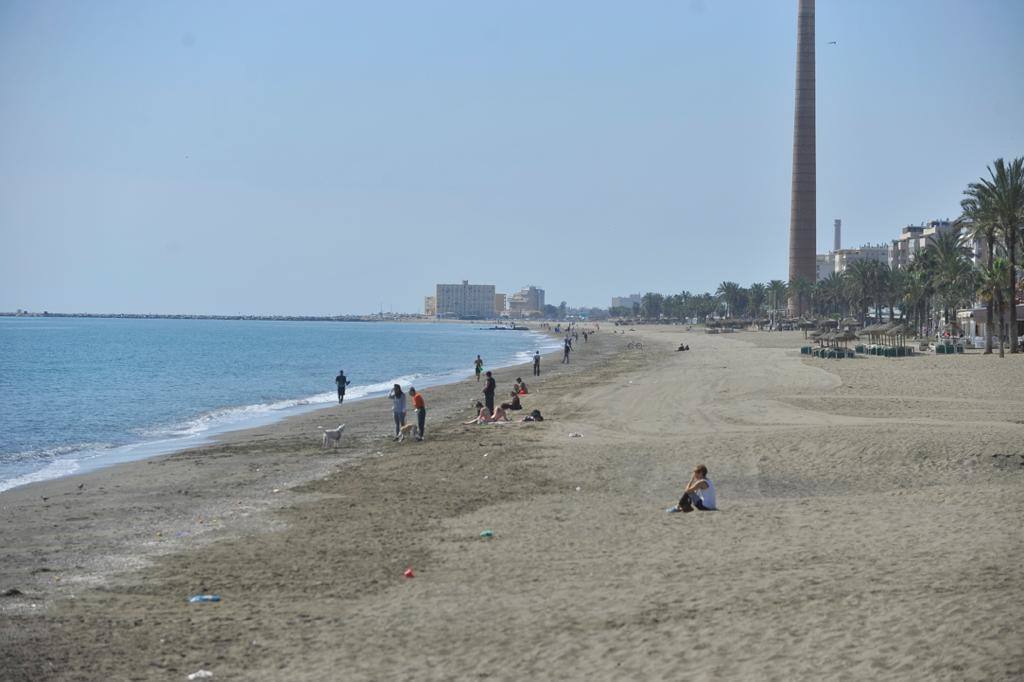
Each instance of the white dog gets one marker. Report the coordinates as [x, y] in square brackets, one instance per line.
[333, 436]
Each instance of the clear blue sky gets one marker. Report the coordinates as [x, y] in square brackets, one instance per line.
[317, 158]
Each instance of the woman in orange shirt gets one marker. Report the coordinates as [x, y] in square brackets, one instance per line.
[421, 411]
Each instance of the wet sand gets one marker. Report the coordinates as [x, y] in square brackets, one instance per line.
[869, 528]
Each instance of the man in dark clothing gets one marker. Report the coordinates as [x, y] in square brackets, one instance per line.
[536, 364]
[489, 386]
[566, 350]
[342, 382]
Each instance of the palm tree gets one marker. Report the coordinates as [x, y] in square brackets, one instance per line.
[949, 261]
[979, 224]
[1003, 195]
[776, 295]
[992, 288]
[730, 292]
[859, 286]
[756, 295]
[651, 305]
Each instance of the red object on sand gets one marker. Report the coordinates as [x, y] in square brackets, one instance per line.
[408, 573]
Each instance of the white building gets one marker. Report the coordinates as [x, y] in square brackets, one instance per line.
[844, 258]
[913, 239]
[465, 301]
[839, 260]
[823, 266]
[526, 301]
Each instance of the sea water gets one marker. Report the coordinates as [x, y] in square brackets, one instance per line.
[77, 393]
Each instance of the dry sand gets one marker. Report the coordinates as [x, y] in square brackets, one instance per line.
[869, 528]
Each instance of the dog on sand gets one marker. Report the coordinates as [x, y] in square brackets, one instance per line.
[407, 430]
[333, 436]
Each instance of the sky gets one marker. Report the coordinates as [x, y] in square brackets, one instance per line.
[333, 157]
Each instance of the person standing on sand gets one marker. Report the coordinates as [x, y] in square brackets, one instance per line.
[342, 382]
[398, 408]
[488, 392]
[421, 412]
[536, 364]
[699, 493]
[566, 351]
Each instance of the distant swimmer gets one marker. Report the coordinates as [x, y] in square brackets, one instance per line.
[342, 382]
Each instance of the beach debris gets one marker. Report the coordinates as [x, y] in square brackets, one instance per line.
[200, 674]
[486, 453]
[578, 488]
[201, 598]
[485, 477]
[575, 435]
[276, 490]
[487, 533]
[408, 573]
[12, 592]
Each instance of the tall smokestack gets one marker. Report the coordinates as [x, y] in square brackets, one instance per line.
[838, 236]
[803, 209]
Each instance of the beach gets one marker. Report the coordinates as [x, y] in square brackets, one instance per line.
[868, 528]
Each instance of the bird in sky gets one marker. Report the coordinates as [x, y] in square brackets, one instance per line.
[833, 42]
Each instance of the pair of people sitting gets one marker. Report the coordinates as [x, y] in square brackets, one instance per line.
[484, 416]
[519, 388]
[682, 347]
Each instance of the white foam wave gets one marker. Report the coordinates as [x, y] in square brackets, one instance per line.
[55, 469]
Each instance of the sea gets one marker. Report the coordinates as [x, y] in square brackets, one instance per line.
[81, 393]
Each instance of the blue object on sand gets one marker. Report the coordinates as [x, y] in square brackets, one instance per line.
[198, 598]
[672, 510]
[487, 534]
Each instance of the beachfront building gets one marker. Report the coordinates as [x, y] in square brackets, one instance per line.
[839, 260]
[626, 301]
[823, 266]
[525, 302]
[974, 323]
[429, 306]
[464, 301]
[499, 304]
[913, 239]
[844, 258]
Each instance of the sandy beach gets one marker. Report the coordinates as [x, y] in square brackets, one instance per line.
[869, 528]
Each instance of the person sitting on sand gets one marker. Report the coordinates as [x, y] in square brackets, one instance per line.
[699, 493]
[520, 387]
[483, 415]
[499, 414]
[515, 404]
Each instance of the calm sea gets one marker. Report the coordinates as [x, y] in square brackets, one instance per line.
[80, 393]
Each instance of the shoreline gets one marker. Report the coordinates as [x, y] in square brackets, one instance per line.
[161, 446]
[844, 544]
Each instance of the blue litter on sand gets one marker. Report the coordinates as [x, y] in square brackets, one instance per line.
[198, 598]
[672, 510]
[487, 534]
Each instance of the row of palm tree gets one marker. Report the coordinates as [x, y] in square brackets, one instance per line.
[940, 279]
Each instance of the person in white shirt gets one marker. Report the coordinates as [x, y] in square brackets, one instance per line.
[699, 493]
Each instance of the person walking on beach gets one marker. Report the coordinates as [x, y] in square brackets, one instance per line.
[342, 382]
[479, 365]
[421, 412]
[398, 408]
[566, 351]
[536, 364]
[699, 493]
[488, 392]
